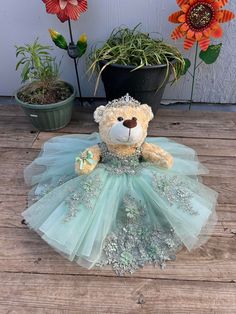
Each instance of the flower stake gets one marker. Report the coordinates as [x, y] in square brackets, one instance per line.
[199, 21]
[67, 10]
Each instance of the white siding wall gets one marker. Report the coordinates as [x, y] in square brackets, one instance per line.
[22, 21]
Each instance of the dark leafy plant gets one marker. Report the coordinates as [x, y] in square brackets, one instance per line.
[132, 47]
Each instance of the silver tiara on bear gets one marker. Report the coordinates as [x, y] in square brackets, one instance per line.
[126, 100]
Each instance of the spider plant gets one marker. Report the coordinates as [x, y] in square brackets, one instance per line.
[132, 47]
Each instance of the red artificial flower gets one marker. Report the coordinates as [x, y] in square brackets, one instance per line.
[199, 20]
[66, 9]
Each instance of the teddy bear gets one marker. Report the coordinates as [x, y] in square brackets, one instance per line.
[132, 203]
[123, 128]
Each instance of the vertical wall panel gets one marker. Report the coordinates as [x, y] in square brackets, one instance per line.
[22, 21]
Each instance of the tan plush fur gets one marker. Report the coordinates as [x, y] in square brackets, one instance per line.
[107, 117]
[157, 155]
[143, 114]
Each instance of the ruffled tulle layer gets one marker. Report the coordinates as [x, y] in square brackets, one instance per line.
[123, 220]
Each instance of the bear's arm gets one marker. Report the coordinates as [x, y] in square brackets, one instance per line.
[157, 155]
[88, 164]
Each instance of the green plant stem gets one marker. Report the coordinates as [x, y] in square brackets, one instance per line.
[70, 31]
[199, 64]
[75, 64]
[193, 76]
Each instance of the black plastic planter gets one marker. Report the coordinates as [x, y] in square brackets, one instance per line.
[146, 84]
[49, 117]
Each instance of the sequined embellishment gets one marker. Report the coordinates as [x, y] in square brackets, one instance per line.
[175, 191]
[136, 242]
[86, 194]
[126, 100]
[117, 164]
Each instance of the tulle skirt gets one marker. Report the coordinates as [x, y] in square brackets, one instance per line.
[124, 220]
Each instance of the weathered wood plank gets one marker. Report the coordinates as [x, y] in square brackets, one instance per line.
[220, 167]
[14, 309]
[13, 184]
[16, 132]
[225, 186]
[88, 294]
[22, 250]
[177, 123]
[204, 147]
[11, 207]
[217, 165]
[221, 177]
[68, 287]
[172, 124]
[18, 139]
[210, 147]
[19, 123]
[11, 110]
[17, 156]
[223, 121]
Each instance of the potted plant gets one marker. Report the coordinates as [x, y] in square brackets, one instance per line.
[45, 99]
[133, 62]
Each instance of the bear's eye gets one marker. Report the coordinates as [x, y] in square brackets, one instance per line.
[120, 119]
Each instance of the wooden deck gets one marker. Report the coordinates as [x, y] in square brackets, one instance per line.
[35, 279]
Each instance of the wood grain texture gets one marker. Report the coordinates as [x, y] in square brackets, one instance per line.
[221, 177]
[35, 279]
[203, 146]
[25, 252]
[16, 131]
[172, 123]
[11, 207]
[89, 294]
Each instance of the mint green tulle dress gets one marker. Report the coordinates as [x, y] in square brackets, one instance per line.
[126, 213]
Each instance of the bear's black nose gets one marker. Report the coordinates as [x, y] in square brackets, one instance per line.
[130, 123]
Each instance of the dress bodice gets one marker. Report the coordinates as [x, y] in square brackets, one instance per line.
[119, 164]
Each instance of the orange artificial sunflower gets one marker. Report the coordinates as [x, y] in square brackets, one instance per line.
[199, 20]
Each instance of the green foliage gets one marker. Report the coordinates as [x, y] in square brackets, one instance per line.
[211, 54]
[82, 47]
[131, 47]
[60, 42]
[187, 66]
[37, 64]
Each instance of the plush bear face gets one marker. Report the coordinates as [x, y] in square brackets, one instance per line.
[125, 125]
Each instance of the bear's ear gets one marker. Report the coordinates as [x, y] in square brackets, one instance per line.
[98, 113]
[147, 110]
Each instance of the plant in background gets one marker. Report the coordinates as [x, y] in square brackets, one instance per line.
[131, 47]
[199, 21]
[41, 73]
[67, 10]
[37, 63]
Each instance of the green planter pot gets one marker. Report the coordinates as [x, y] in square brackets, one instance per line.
[49, 117]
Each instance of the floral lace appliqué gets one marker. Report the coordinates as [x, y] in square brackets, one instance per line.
[135, 243]
[86, 194]
[175, 191]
